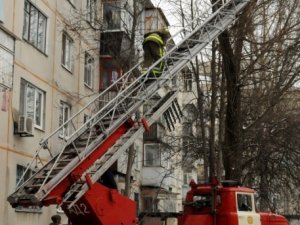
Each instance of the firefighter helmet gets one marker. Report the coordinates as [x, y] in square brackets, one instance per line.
[164, 32]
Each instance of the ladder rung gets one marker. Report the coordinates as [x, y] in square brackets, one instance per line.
[44, 176]
[33, 185]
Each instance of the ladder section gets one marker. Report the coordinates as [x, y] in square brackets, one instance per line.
[74, 141]
[78, 189]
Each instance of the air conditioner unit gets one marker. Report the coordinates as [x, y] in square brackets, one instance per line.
[25, 126]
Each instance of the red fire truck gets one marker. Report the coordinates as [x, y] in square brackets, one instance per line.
[224, 204]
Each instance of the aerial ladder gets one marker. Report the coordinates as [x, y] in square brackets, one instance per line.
[83, 151]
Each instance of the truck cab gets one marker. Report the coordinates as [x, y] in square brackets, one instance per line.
[224, 204]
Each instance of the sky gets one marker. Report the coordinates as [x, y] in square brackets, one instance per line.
[167, 9]
[169, 13]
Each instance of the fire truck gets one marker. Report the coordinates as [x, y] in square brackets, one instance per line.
[224, 204]
[70, 179]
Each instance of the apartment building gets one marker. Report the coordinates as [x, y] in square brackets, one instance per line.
[48, 70]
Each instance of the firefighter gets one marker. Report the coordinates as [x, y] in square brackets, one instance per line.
[154, 49]
[56, 219]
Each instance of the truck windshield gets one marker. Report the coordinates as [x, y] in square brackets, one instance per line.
[200, 201]
[244, 202]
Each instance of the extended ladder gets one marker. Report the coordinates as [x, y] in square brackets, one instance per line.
[84, 150]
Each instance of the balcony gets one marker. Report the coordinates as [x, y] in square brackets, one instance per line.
[114, 43]
[116, 16]
[156, 132]
[158, 177]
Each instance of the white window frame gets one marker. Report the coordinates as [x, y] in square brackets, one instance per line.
[91, 11]
[152, 157]
[6, 59]
[64, 115]
[88, 70]
[38, 109]
[67, 52]
[35, 26]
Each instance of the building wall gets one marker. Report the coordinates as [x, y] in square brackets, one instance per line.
[44, 71]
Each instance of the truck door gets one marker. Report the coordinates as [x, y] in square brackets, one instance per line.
[246, 209]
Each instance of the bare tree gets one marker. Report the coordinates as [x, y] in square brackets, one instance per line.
[261, 66]
[250, 96]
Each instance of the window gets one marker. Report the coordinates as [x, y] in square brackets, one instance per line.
[152, 155]
[86, 118]
[112, 15]
[1, 11]
[114, 76]
[19, 175]
[150, 204]
[110, 72]
[88, 70]
[67, 51]
[187, 129]
[201, 201]
[244, 202]
[6, 59]
[32, 103]
[117, 15]
[64, 115]
[20, 171]
[91, 8]
[187, 81]
[35, 26]
[187, 177]
[136, 158]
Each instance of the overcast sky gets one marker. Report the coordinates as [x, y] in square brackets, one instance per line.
[169, 13]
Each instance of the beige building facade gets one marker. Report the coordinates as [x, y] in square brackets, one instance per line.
[48, 71]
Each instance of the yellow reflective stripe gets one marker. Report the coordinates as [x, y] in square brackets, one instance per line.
[157, 71]
[155, 38]
[161, 52]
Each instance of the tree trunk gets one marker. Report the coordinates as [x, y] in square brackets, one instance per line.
[212, 153]
[232, 121]
[200, 103]
[131, 152]
[131, 156]
[220, 166]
